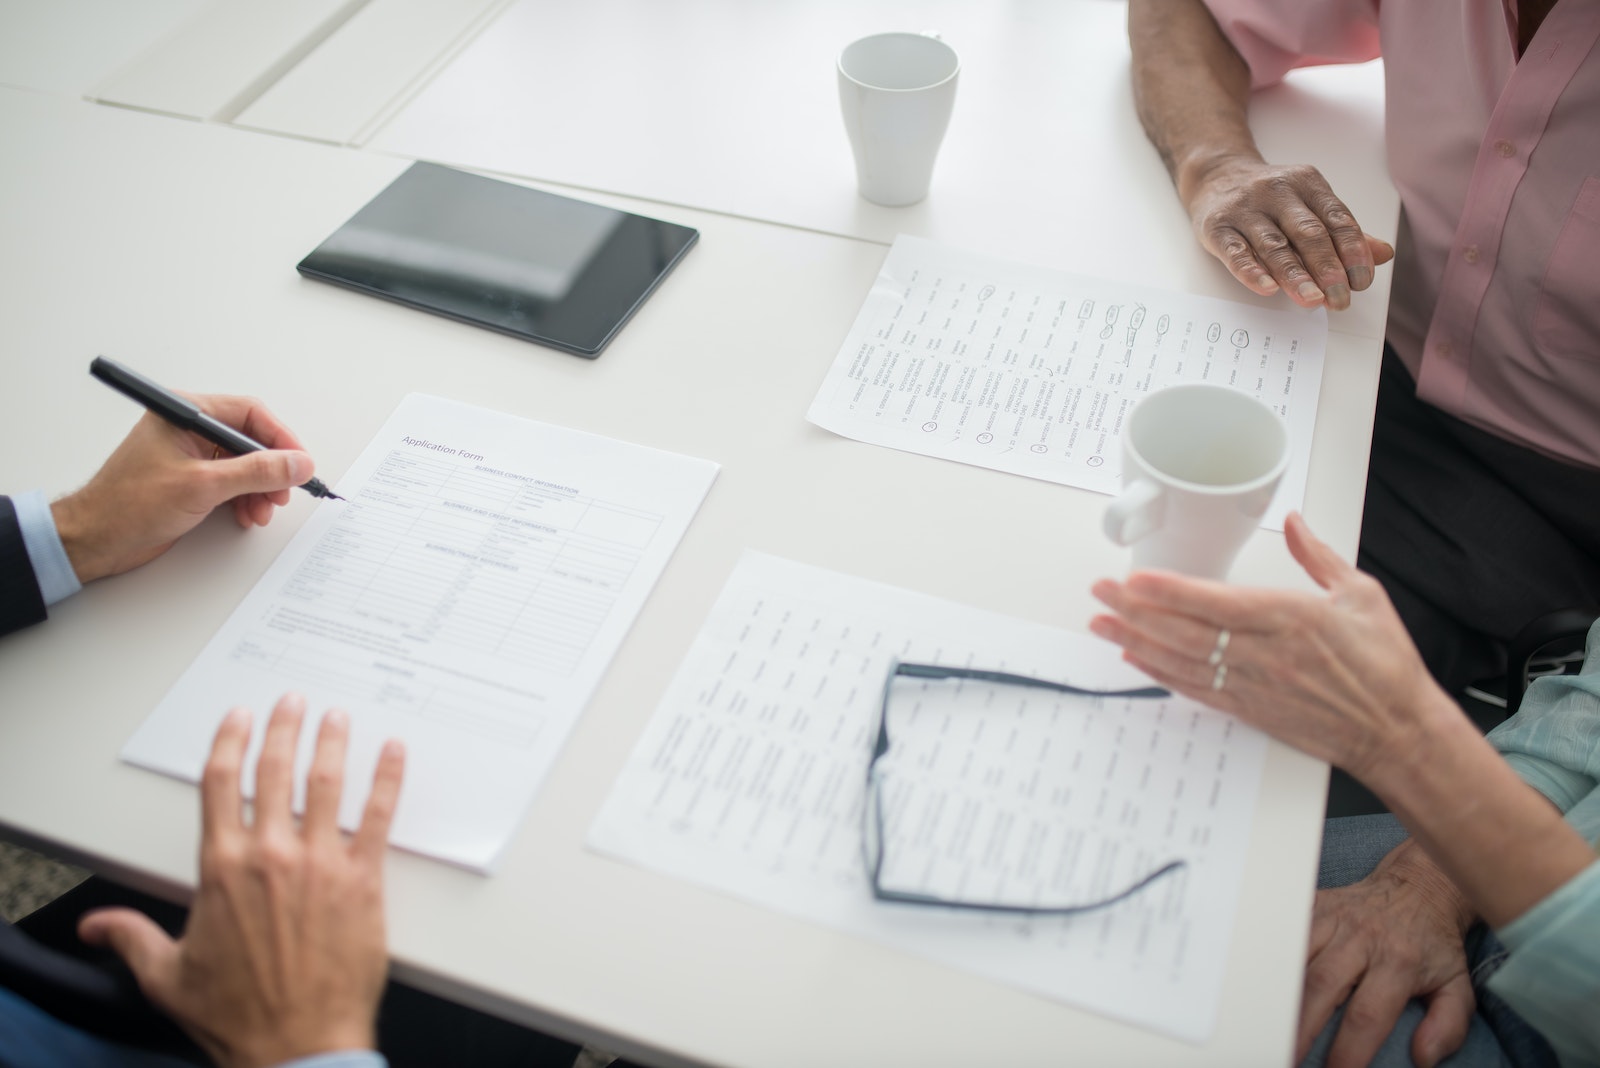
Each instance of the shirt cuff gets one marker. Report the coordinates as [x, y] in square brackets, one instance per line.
[1560, 915]
[51, 568]
[344, 1058]
[1552, 975]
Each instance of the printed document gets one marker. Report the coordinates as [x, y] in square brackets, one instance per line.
[465, 598]
[1032, 371]
[750, 780]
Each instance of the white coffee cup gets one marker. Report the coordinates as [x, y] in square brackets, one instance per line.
[896, 91]
[1200, 464]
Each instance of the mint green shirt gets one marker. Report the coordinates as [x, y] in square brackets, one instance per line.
[1552, 976]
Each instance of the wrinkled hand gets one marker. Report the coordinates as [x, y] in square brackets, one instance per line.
[1334, 675]
[161, 482]
[1282, 227]
[1375, 945]
[283, 955]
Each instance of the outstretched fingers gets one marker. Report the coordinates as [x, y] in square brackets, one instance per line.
[372, 837]
[325, 780]
[275, 767]
[221, 801]
[1171, 667]
[1207, 602]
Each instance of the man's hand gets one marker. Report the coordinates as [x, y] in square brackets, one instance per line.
[161, 482]
[1280, 227]
[283, 955]
[1375, 945]
[1273, 227]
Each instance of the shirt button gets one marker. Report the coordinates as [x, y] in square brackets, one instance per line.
[1471, 254]
[1505, 148]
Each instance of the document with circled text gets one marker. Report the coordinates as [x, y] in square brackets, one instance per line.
[750, 780]
[1032, 371]
[466, 598]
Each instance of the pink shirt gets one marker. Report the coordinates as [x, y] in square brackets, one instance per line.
[1496, 299]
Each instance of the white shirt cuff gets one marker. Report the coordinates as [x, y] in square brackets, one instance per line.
[51, 568]
[344, 1058]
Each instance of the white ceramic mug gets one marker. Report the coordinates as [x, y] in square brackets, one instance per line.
[1200, 464]
[896, 91]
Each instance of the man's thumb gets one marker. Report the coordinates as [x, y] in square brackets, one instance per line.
[135, 937]
[261, 472]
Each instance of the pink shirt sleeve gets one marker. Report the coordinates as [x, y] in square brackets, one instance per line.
[1275, 36]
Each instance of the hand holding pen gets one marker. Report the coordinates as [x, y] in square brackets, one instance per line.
[162, 481]
[185, 414]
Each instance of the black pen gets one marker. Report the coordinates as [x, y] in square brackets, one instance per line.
[186, 415]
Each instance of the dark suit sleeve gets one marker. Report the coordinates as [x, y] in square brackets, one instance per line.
[21, 604]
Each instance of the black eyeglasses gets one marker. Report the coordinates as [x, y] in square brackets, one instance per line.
[874, 853]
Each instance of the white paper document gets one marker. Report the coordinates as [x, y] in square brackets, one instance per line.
[1032, 371]
[465, 598]
[750, 780]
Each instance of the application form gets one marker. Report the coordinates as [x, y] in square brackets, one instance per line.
[465, 598]
[1032, 371]
[750, 780]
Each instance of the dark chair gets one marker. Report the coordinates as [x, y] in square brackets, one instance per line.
[1553, 644]
[1550, 645]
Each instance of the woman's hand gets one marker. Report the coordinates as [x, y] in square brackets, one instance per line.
[1335, 676]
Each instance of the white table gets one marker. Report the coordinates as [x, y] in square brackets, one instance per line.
[171, 245]
[70, 46]
[732, 107]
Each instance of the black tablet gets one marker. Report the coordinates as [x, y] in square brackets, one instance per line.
[562, 272]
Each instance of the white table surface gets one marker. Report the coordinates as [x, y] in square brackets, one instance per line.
[172, 245]
[69, 46]
[733, 107]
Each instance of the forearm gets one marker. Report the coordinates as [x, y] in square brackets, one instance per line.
[1191, 88]
[1497, 838]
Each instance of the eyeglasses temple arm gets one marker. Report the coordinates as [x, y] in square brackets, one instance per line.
[934, 671]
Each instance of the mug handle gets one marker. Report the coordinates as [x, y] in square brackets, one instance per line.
[1135, 514]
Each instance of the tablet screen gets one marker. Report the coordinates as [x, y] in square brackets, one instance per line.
[535, 265]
